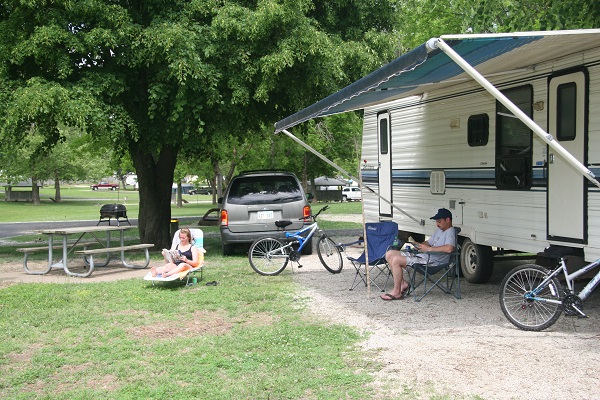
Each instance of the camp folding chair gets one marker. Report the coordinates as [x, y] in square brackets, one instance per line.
[443, 276]
[198, 241]
[380, 236]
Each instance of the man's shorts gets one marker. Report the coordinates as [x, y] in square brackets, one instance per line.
[412, 258]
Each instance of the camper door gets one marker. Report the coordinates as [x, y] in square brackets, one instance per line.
[567, 193]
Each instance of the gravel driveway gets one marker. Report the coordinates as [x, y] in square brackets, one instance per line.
[460, 348]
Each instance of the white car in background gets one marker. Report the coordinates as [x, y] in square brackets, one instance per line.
[351, 193]
[131, 180]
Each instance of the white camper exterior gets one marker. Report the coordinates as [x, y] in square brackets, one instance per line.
[502, 129]
[459, 148]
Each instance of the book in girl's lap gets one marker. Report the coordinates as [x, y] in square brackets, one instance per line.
[171, 256]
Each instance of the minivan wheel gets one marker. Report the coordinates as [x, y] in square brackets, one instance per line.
[227, 249]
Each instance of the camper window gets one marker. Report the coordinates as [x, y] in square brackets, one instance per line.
[478, 130]
[383, 136]
[567, 111]
[513, 136]
[514, 142]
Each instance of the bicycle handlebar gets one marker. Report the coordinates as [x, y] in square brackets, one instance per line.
[314, 216]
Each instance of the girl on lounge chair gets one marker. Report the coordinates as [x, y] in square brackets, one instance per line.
[188, 256]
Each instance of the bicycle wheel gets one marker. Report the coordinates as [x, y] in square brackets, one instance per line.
[267, 256]
[526, 314]
[330, 255]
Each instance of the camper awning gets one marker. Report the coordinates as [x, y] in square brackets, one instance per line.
[423, 69]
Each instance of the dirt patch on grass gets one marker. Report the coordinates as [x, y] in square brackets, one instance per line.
[105, 382]
[13, 272]
[199, 323]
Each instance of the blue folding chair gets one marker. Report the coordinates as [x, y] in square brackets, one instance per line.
[380, 237]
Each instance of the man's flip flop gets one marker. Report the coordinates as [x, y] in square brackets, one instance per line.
[212, 283]
[390, 297]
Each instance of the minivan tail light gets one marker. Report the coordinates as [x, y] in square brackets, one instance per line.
[224, 218]
[306, 213]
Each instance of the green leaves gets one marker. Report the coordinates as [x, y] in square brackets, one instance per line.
[524, 15]
[163, 77]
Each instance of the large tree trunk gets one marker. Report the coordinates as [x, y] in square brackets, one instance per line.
[155, 178]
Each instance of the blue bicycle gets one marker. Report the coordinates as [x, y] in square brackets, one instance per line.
[270, 256]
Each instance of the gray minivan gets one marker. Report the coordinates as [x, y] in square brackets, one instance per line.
[252, 203]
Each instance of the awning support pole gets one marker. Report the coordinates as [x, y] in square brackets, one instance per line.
[334, 165]
[545, 136]
[316, 153]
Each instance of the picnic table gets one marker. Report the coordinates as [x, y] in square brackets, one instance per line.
[101, 246]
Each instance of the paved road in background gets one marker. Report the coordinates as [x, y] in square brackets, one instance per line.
[11, 229]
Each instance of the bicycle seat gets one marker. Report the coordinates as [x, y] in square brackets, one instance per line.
[283, 224]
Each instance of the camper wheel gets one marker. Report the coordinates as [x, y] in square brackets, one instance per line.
[476, 262]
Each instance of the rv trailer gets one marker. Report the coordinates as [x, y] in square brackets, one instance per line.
[502, 129]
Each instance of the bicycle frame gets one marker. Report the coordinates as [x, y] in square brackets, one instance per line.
[297, 235]
[589, 288]
[569, 278]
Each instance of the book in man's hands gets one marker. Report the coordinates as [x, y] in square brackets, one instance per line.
[172, 255]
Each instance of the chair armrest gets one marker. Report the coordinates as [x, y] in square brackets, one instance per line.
[344, 245]
[432, 253]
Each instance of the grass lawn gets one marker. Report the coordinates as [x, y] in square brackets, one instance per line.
[249, 337]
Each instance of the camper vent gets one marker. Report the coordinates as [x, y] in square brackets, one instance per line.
[437, 182]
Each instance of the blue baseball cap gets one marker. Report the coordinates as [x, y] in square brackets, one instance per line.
[442, 214]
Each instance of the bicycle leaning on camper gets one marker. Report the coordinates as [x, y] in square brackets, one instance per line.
[532, 297]
[270, 256]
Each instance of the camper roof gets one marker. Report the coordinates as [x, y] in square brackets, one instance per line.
[423, 68]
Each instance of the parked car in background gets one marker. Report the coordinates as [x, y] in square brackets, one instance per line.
[254, 201]
[104, 185]
[351, 194]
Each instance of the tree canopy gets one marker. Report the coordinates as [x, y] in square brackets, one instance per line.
[166, 79]
[163, 80]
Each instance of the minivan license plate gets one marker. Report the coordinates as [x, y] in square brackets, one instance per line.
[265, 215]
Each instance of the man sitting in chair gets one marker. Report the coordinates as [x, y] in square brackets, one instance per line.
[442, 240]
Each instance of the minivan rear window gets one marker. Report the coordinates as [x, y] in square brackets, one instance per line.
[264, 190]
